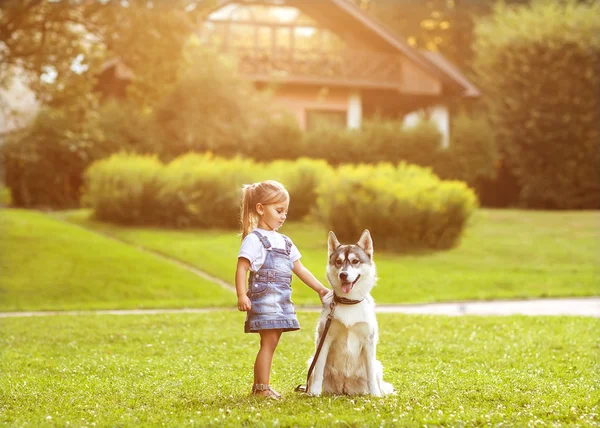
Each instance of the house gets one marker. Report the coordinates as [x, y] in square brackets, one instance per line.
[329, 61]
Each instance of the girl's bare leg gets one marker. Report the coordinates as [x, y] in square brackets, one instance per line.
[262, 366]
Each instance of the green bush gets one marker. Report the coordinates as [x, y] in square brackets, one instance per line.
[201, 191]
[537, 65]
[336, 146]
[5, 197]
[404, 207]
[472, 155]
[124, 188]
[301, 178]
[210, 109]
[276, 137]
[128, 129]
[43, 165]
[377, 141]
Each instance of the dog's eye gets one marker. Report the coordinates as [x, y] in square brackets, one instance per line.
[338, 263]
[355, 261]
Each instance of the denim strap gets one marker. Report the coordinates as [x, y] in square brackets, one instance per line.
[263, 239]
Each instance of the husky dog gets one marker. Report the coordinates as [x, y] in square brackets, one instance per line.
[347, 363]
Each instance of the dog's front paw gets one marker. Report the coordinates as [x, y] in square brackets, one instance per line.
[375, 392]
[314, 392]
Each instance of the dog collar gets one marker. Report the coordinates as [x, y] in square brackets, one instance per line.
[344, 301]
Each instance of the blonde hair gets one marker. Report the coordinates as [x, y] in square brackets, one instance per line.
[265, 192]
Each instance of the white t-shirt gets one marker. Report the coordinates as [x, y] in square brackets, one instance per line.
[253, 250]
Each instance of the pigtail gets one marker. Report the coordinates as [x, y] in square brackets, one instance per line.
[245, 209]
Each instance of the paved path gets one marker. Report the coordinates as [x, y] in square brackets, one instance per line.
[581, 307]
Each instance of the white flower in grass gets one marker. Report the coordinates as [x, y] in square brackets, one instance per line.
[48, 418]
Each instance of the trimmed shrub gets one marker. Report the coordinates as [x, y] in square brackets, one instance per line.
[276, 137]
[301, 178]
[472, 155]
[378, 140]
[336, 146]
[404, 207]
[538, 66]
[124, 188]
[200, 191]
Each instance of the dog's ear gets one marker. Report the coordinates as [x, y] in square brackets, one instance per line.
[366, 243]
[332, 243]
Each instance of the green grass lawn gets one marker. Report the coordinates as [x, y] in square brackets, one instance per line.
[45, 264]
[504, 254]
[196, 370]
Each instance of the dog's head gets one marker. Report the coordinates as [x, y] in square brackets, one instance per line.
[351, 270]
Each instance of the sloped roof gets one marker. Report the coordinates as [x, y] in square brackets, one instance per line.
[442, 63]
[432, 63]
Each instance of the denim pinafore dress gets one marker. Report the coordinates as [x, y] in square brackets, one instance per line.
[270, 291]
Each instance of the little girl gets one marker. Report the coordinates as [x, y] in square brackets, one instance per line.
[271, 259]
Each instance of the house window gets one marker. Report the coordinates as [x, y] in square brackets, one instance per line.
[317, 118]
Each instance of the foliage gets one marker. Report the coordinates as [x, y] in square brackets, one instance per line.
[210, 109]
[5, 197]
[435, 25]
[332, 144]
[301, 178]
[405, 207]
[52, 40]
[44, 165]
[128, 128]
[192, 190]
[275, 136]
[201, 191]
[123, 188]
[546, 110]
[472, 155]
[378, 140]
[413, 144]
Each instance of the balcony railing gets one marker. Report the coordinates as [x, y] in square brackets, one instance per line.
[308, 66]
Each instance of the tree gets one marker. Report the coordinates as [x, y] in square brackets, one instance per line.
[436, 25]
[53, 41]
[538, 66]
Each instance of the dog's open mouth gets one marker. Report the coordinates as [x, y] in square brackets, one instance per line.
[347, 285]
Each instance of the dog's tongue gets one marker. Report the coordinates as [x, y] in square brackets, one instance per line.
[346, 287]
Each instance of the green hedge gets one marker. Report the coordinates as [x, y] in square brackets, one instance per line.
[43, 165]
[405, 207]
[538, 66]
[204, 192]
[124, 189]
[301, 178]
[472, 155]
[193, 190]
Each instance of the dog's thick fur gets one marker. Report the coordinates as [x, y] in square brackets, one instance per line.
[347, 364]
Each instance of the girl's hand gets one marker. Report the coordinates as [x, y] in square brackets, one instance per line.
[244, 304]
[322, 293]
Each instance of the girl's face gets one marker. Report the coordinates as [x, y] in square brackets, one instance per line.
[272, 216]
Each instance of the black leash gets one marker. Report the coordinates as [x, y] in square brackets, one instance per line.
[336, 299]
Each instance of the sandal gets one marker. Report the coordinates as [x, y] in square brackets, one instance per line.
[265, 390]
